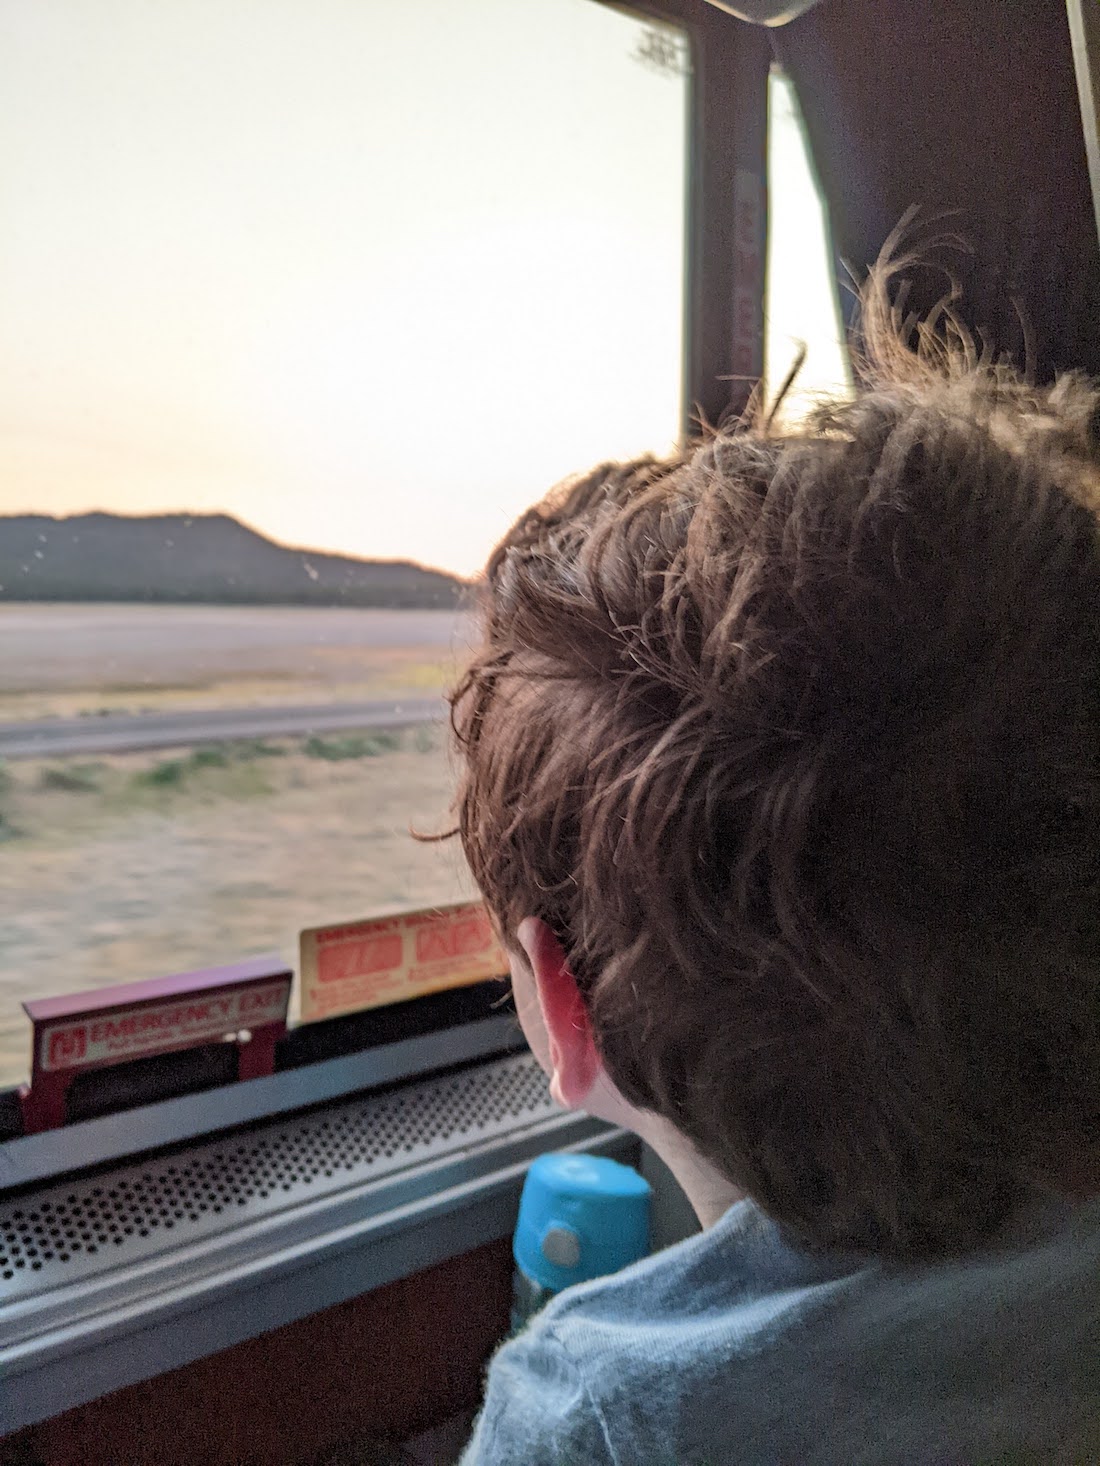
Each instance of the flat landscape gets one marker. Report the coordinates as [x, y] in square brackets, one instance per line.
[119, 867]
[84, 660]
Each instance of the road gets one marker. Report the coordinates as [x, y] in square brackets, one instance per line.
[132, 732]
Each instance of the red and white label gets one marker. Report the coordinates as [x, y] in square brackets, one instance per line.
[156, 1028]
[390, 959]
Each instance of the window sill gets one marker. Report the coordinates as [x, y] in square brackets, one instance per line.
[71, 1333]
[31, 1159]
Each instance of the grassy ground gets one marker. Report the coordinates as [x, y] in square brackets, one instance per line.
[398, 672]
[122, 868]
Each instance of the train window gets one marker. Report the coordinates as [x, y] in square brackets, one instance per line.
[802, 307]
[298, 300]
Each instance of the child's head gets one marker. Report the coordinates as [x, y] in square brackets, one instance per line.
[792, 742]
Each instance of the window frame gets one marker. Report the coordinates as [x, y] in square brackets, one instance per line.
[723, 326]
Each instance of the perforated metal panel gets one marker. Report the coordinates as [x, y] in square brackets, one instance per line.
[75, 1229]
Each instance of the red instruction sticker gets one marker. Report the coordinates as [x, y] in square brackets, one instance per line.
[389, 959]
[158, 1028]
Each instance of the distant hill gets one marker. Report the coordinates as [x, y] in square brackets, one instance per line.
[196, 557]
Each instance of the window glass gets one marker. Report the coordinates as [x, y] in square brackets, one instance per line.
[802, 307]
[360, 280]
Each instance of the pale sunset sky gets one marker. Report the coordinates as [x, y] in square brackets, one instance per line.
[368, 275]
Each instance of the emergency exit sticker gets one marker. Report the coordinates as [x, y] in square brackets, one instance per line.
[157, 1028]
[390, 959]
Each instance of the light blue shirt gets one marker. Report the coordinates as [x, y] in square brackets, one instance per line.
[733, 1348]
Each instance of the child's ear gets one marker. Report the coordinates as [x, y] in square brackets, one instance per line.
[574, 1060]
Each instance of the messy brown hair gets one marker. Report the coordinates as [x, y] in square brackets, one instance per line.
[793, 742]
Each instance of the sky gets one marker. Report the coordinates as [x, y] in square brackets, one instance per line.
[369, 276]
[802, 309]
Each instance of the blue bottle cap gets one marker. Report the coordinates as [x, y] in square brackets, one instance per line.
[580, 1217]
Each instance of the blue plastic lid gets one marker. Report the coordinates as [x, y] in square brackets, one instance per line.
[580, 1217]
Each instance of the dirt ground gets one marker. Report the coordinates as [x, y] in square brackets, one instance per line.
[131, 867]
[79, 660]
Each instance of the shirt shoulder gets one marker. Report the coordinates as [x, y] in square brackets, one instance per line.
[538, 1410]
[624, 1349]
[736, 1346]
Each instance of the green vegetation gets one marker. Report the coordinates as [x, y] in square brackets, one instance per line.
[363, 745]
[244, 769]
[168, 774]
[252, 748]
[174, 773]
[73, 778]
[8, 830]
[209, 758]
[425, 738]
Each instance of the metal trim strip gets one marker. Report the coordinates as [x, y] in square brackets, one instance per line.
[33, 1159]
